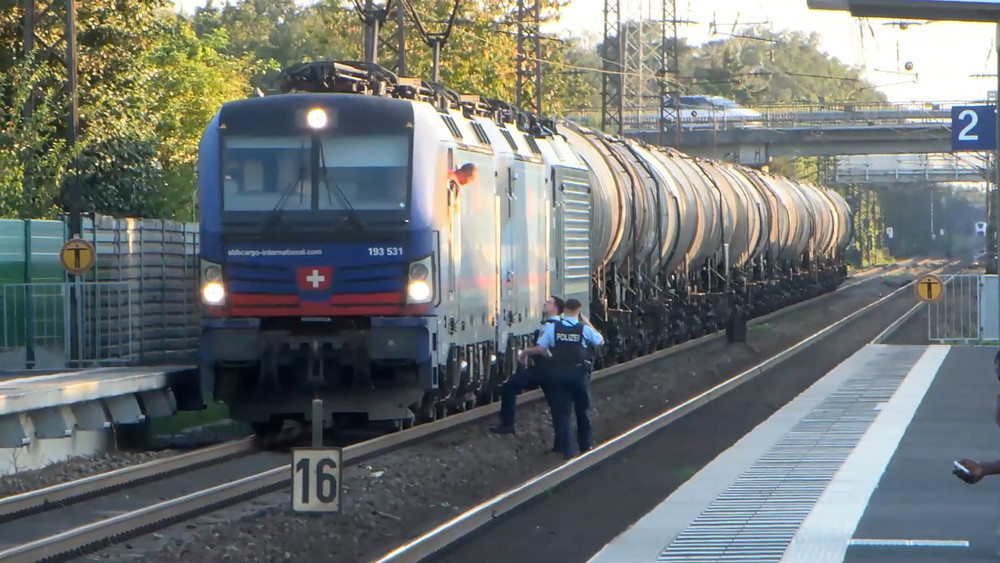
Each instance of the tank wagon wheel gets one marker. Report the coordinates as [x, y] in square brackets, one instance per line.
[268, 427]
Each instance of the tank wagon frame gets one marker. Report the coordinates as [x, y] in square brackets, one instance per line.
[660, 246]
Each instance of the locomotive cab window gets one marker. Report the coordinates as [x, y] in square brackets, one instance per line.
[371, 171]
[352, 173]
[258, 170]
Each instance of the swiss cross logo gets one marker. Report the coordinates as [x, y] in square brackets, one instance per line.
[315, 279]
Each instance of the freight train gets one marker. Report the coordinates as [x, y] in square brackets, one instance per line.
[385, 244]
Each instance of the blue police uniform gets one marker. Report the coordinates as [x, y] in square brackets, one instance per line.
[567, 341]
[525, 378]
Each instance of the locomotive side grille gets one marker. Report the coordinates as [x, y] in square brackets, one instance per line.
[576, 257]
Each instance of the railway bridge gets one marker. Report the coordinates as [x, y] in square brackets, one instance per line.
[840, 130]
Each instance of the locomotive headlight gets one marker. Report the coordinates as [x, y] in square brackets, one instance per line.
[212, 293]
[420, 282]
[418, 291]
[418, 271]
[213, 273]
[316, 118]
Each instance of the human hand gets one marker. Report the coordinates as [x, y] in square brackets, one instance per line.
[974, 475]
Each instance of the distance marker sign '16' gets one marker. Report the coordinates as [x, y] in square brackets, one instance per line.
[316, 479]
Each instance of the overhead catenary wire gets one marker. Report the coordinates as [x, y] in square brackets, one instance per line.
[673, 82]
[562, 64]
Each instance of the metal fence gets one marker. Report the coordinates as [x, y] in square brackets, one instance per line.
[39, 317]
[138, 305]
[954, 317]
[158, 260]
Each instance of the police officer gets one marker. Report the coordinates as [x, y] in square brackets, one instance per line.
[527, 377]
[566, 343]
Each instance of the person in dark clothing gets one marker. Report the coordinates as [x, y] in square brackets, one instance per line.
[529, 376]
[973, 470]
[566, 342]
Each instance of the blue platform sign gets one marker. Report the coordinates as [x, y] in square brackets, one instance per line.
[973, 128]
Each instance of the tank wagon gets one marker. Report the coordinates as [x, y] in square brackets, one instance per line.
[386, 244]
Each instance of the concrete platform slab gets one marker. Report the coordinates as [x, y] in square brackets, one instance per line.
[38, 392]
[796, 487]
[47, 418]
[918, 500]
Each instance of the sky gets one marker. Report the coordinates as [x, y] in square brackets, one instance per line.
[944, 54]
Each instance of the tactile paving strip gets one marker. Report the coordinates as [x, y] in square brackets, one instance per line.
[759, 513]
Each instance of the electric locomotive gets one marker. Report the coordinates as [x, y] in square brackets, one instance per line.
[368, 246]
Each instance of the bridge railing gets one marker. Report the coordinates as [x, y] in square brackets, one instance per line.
[910, 168]
[787, 115]
[906, 175]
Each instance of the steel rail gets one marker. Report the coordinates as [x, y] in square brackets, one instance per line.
[166, 512]
[73, 490]
[472, 519]
[57, 495]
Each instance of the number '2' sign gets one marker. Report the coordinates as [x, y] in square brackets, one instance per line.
[316, 479]
[973, 128]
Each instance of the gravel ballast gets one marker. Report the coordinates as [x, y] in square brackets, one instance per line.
[399, 495]
[73, 469]
[80, 467]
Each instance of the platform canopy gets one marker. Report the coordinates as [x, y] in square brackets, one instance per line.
[944, 10]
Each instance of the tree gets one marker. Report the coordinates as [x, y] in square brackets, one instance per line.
[774, 67]
[147, 87]
[478, 57]
[192, 78]
[33, 157]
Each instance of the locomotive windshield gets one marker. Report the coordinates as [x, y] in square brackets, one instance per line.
[257, 171]
[267, 173]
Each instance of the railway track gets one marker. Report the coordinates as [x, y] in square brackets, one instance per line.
[235, 485]
[432, 545]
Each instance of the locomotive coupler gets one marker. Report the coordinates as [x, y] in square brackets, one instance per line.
[314, 377]
[268, 378]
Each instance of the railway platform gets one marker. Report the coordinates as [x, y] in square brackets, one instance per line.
[47, 417]
[855, 469]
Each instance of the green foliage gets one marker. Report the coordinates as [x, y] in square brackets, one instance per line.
[147, 87]
[149, 81]
[280, 33]
[195, 77]
[33, 158]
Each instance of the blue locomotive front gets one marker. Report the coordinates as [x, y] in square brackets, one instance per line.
[318, 266]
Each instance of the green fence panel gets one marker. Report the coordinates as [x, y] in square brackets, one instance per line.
[29, 253]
